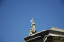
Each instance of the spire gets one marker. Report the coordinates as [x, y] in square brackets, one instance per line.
[33, 29]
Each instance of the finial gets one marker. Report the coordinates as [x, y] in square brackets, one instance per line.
[33, 29]
[32, 20]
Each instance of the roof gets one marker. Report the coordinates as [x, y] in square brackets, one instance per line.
[43, 34]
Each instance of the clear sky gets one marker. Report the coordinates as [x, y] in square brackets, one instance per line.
[15, 16]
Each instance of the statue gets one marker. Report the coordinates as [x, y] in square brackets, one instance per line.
[33, 29]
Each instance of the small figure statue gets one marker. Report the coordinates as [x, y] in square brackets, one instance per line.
[33, 29]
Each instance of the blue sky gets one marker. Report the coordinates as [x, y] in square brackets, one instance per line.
[15, 16]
